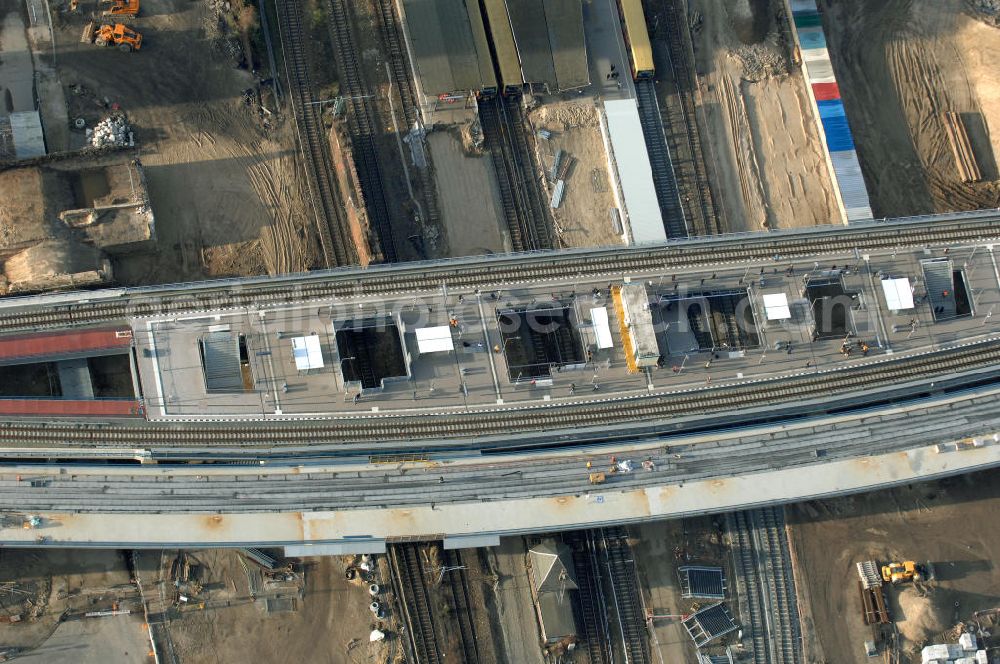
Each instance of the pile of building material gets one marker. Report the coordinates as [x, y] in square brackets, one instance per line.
[113, 130]
[872, 596]
[968, 169]
[964, 652]
[986, 10]
[760, 61]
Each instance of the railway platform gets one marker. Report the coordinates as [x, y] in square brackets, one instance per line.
[565, 343]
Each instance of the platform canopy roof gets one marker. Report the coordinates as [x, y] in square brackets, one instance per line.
[602, 330]
[776, 306]
[307, 353]
[434, 339]
[898, 294]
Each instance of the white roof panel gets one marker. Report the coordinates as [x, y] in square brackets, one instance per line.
[776, 306]
[307, 353]
[898, 294]
[599, 319]
[434, 339]
[634, 172]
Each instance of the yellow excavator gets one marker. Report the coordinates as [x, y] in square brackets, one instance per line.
[903, 572]
[121, 8]
[119, 35]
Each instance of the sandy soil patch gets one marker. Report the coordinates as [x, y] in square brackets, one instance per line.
[769, 158]
[222, 181]
[43, 587]
[932, 522]
[584, 217]
[900, 64]
[330, 625]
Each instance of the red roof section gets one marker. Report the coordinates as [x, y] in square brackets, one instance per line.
[826, 91]
[62, 343]
[70, 407]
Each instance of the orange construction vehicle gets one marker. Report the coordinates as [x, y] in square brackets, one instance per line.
[118, 35]
[121, 8]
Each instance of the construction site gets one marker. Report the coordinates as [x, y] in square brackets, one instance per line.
[149, 142]
[372, 141]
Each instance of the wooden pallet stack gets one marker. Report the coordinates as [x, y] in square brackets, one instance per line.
[968, 169]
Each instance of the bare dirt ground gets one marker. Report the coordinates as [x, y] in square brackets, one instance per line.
[583, 219]
[94, 641]
[223, 186]
[43, 587]
[952, 524]
[769, 159]
[900, 64]
[470, 209]
[331, 623]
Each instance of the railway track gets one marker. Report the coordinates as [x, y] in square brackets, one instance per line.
[770, 249]
[592, 603]
[331, 226]
[681, 125]
[664, 179]
[362, 121]
[299, 484]
[651, 411]
[626, 594]
[461, 600]
[524, 208]
[400, 69]
[412, 588]
[765, 584]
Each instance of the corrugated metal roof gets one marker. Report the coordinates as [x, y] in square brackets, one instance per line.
[569, 53]
[851, 183]
[444, 44]
[550, 42]
[531, 35]
[556, 613]
[634, 172]
[487, 77]
[503, 42]
[812, 38]
[820, 70]
[838, 134]
[26, 129]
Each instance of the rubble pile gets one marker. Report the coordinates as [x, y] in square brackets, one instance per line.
[986, 10]
[760, 61]
[113, 130]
